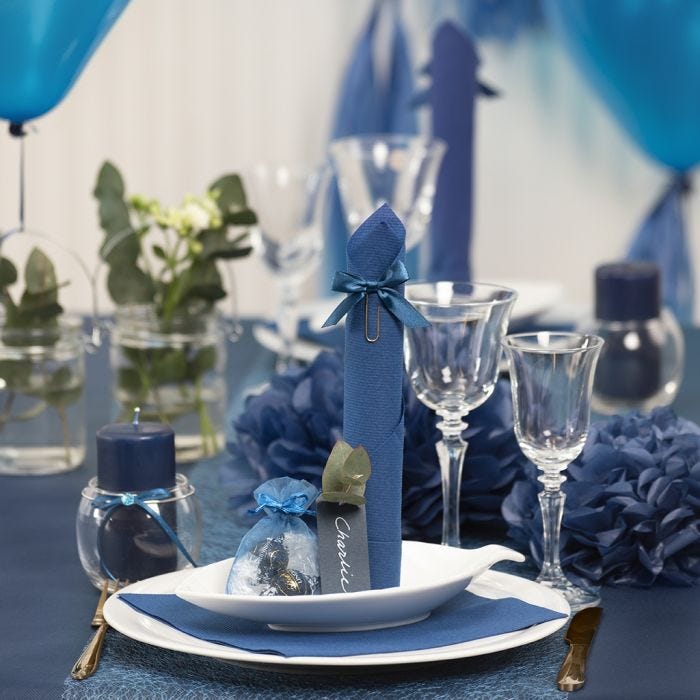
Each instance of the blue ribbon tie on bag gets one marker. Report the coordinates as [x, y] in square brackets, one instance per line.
[296, 504]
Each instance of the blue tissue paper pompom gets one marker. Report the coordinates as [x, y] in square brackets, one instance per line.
[632, 511]
[290, 429]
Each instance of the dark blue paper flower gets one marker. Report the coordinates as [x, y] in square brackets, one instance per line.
[632, 514]
[290, 429]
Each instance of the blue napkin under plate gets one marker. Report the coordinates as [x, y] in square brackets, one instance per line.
[465, 618]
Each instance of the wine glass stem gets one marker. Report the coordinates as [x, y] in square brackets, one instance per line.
[287, 321]
[451, 450]
[552, 504]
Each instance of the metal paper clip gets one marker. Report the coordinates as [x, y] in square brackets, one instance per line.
[376, 336]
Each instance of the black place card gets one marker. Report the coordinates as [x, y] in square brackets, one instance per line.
[343, 550]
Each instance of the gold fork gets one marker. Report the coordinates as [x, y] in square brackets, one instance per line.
[86, 664]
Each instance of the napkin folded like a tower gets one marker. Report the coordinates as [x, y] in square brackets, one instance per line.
[373, 408]
[454, 87]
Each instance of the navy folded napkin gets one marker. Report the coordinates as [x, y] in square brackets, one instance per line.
[451, 96]
[373, 391]
[372, 99]
[465, 618]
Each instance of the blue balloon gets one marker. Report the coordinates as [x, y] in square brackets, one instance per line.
[44, 45]
[643, 58]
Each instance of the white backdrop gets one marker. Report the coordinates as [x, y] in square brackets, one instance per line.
[184, 90]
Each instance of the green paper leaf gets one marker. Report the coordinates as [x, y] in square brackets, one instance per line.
[343, 497]
[345, 474]
[357, 467]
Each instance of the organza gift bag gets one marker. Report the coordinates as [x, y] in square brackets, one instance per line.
[279, 554]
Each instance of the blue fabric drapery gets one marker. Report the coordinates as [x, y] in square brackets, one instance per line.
[369, 105]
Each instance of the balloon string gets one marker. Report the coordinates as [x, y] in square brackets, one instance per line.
[21, 183]
[17, 129]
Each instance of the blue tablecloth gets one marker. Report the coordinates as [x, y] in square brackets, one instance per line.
[646, 646]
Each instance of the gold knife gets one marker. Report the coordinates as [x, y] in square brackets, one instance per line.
[572, 673]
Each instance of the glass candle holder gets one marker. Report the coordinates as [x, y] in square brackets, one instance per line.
[119, 537]
[641, 363]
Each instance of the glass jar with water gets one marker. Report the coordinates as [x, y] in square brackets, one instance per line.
[42, 403]
[173, 369]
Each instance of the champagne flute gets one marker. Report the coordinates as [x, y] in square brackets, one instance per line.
[552, 381]
[453, 367]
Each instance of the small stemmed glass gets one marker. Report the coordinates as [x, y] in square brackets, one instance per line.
[552, 380]
[453, 367]
[289, 202]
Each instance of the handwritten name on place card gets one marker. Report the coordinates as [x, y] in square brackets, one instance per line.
[343, 551]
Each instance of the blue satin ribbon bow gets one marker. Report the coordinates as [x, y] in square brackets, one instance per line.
[296, 504]
[358, 288]
[127, 500]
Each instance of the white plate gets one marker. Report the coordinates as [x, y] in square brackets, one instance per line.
[430, 576]
[492, 584]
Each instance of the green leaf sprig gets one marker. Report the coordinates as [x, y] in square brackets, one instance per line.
[34, 319]
[345, 474]
[168, 256]
[38, 305]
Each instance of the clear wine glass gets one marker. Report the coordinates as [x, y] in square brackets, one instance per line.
[453, 367]
[552, 381]
[289, 201]
[395, 169]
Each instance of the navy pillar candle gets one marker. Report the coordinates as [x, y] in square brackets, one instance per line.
[133, 458]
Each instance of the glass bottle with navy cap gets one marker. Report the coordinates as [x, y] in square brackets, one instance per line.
[137, 518]
[641, 363]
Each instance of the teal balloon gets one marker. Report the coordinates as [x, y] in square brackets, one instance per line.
[44, 45]
[643, 59]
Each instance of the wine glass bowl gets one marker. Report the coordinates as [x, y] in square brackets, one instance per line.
[288, 200]
[396, 169]
[452, 365]
[552, 383]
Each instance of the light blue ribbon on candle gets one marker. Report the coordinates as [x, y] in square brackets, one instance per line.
[139, 500]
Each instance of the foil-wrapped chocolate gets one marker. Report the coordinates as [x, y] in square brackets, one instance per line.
[292, 582]
[272, 556]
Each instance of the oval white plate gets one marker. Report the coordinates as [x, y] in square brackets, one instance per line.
[492, 584]
[430, 575]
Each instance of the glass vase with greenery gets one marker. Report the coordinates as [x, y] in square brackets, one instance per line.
[165, 279]
[42, 373]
